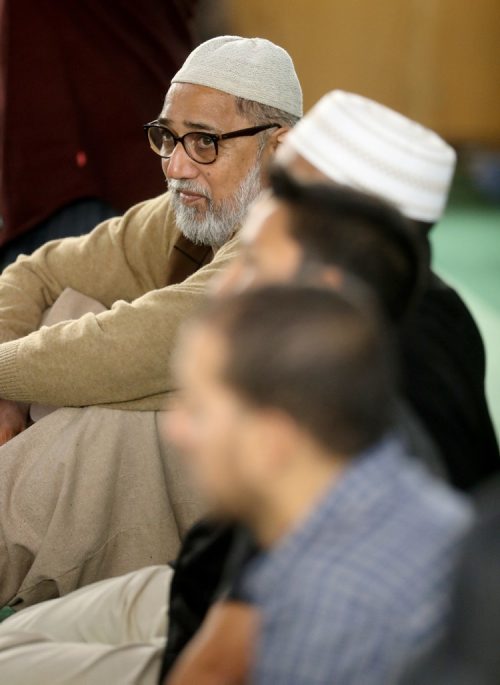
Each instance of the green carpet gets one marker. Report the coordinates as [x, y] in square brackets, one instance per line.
[5, 612]
[467, 254]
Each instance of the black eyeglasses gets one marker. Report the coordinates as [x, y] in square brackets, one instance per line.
[201, 147]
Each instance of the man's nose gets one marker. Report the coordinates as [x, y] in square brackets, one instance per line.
[180, 165]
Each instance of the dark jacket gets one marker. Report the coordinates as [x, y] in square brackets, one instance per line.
[211, 559]
[443, 377]
[469, 653]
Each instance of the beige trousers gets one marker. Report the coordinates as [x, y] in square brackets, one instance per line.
[113, 631]
[87, 494]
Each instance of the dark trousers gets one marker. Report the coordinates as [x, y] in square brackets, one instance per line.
[74, 219]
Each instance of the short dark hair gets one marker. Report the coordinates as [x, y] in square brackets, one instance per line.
[336, 225]
[317, 354]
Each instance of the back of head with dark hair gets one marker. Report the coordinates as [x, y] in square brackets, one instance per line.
[335, 225]
[316, 354]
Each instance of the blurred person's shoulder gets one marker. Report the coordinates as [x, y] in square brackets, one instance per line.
[402, 528]
[434, 501]
[429, 516]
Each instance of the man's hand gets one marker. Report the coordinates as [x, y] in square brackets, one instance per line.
[13, 419]
[220, 653]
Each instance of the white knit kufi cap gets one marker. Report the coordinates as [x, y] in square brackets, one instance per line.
[362, 144]
[250, 68]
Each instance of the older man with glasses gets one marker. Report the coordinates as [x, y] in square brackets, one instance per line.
[87, 493]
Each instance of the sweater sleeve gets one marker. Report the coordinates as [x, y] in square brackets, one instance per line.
[122, 258]
[119, 356]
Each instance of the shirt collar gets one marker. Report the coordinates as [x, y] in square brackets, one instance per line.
[348, 499]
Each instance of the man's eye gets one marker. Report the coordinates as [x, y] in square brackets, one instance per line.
[166, 137]
[204, 141]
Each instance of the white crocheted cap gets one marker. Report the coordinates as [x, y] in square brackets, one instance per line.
[362, 144]
[250, 68]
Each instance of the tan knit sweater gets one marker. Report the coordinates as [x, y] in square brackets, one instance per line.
[117, 358]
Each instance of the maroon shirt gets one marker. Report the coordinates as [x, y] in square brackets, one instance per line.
[78, 78]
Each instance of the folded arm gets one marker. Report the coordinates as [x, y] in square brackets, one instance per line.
[119, 259]
[120, 355]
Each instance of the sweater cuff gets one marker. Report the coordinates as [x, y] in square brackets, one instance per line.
[11, 387]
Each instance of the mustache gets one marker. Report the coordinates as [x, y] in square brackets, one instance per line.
[189, 186]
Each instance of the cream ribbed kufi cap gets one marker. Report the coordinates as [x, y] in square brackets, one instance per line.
[250, 68]
[362, 144]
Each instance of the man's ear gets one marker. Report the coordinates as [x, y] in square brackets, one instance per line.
[279, 136]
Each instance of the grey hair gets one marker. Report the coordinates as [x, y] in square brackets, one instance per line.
[259, 114]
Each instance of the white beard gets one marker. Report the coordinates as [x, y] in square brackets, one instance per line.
[218, 223]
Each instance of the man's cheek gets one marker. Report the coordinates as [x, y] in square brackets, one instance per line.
[212, 478]
[201, 473]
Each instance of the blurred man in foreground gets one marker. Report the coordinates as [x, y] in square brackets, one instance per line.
[293, 440]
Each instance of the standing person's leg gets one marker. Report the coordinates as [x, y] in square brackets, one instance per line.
[75, 219]
[128, 609]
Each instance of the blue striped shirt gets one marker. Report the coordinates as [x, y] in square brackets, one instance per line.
[362, 586]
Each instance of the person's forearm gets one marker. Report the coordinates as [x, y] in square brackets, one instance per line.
[207, 665]
[201, 675]
[220, 652]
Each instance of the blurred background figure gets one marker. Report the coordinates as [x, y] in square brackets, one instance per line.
[77, 81]
[438, 63]
[468, 653]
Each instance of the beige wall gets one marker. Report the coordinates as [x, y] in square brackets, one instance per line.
[435, 60]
